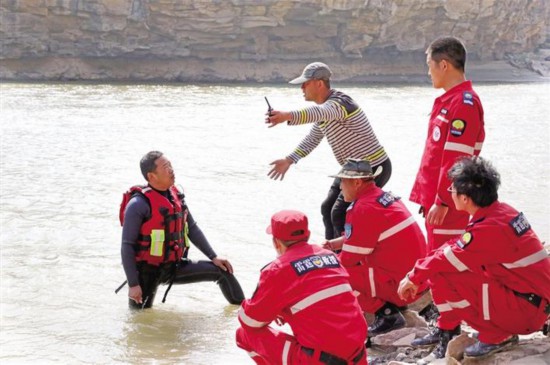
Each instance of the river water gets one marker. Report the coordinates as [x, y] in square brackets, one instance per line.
[69, 151]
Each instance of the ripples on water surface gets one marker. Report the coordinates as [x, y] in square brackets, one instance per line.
[68, 151]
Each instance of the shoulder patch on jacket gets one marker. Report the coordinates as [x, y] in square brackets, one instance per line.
[519, 224]
[347, 230]
[465, 240]
[458, 127]
[468, 98]
[314, 262]
[387, 199]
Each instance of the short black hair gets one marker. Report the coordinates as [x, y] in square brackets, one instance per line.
[448, 48]
[147, 163]
[477, 179]
[290, 243]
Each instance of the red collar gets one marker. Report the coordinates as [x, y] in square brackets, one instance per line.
[463, 86]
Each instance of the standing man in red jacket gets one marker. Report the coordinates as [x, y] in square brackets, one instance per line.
[382, 242]
[307, 288]
[495, 277]
[456, 129]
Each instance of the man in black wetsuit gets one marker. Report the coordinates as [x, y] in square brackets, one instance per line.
[156, 229]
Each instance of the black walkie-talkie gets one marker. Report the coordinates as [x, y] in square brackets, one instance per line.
[269, 108]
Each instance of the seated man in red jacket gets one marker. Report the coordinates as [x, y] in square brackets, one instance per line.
[495, 277]
[307, 288]
[381, 243]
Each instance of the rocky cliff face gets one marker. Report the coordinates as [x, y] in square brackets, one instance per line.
[259, 40]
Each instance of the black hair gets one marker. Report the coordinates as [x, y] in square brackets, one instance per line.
[147, 163]
[448, 48]
[290, 243]
[477, 179]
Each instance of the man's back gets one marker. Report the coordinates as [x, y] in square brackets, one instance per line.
[519, 260]
[309, 288]
[380, 222]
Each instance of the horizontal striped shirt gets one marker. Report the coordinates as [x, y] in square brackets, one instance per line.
[346, 127]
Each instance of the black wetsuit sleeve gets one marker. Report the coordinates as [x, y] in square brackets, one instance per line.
[137, 211]
[198, 238]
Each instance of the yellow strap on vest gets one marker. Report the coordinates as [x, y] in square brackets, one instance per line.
[185, 235]
[157, 242]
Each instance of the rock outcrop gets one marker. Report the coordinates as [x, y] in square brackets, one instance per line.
[262, 40]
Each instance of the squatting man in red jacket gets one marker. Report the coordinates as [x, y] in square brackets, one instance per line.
[381, 243]
[495, 277]
[306, 287]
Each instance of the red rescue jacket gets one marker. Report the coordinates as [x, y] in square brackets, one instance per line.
[163, 237]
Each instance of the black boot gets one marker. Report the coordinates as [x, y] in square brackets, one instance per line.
[386, 319]
[435, 337]
[482, 349]
[439, 336]
[429, 313]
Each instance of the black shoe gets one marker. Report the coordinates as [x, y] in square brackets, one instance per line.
[436, 336]
[482, 349]
[386, 319]
[443, 338]
[430, 313]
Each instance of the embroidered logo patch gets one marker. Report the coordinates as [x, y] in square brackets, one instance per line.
[468, 98]
[436, 134]
[464, 240]
[387, 199]
[443, 111]
[458, 127]
[314, 262]
[347, 230]
[519, 224]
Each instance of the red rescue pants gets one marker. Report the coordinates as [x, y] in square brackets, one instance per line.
[453, 225]
[484, 304]
[268, 346]
[375, 288]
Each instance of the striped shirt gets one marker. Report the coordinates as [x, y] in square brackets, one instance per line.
[346, 127]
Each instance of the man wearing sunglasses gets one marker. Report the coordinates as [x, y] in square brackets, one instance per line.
[495, 276]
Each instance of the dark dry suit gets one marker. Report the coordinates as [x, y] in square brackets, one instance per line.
[162, 247]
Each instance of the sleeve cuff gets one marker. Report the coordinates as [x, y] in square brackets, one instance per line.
[439, 201]
[294, 157]
[414, 278]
